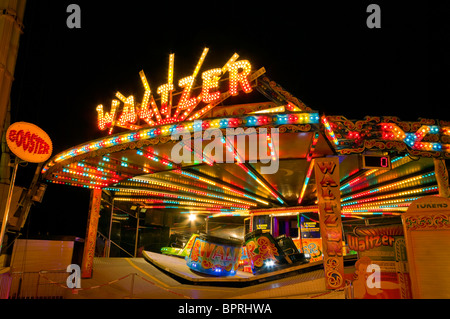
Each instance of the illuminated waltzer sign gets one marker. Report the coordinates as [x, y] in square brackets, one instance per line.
[240, 76]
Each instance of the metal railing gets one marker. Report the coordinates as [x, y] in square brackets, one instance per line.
[115, 244]
[30, 285]
[53, 285]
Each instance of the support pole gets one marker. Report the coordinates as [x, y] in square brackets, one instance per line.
[11, 27]
[137, 233]
[8, 203]
[110, 229]
[87, 264]
[441, 174]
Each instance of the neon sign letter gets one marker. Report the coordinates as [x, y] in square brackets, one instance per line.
[210, 94]
[242, 78]
[210, 81]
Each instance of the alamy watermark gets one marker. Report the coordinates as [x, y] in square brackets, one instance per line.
[229, 148]
[374, 19]
[74, 19]
[374, 279]
[74, 279]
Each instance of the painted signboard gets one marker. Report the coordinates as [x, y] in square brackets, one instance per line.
[313, 248]
[329, 202]
[214, 256]
[264, 253]
[382, 248]
[29, 142]
[426, 224]
[310, 242]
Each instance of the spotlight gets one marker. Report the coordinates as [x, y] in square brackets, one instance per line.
[191, 217]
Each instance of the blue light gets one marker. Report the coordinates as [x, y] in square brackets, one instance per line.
[251, 120]
[437, 146]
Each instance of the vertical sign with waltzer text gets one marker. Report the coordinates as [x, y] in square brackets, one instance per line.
[329, 201]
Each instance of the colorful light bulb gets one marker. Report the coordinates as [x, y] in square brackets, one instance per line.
[106, 120]
[145, 112]
[241, 78]
[128, 115]
[210, 81]
[165, 90]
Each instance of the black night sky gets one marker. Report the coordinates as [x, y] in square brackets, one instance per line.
[323, 53]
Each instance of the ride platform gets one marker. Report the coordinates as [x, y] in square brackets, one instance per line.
[176, 268]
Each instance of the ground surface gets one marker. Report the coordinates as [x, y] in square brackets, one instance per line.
[151, 283]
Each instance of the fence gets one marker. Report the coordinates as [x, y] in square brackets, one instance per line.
[349, 290]
[30, 285]
[53, 285]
